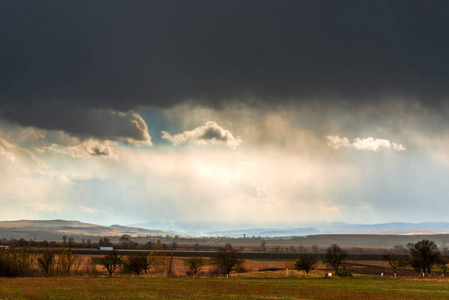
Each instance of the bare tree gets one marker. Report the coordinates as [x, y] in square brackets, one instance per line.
[399, 249]
[91, 267]
[138, 262]
[66, 259]
[46, 261]
[148, 245]
[228, 259]
[425, 252]
[124, 241]
[394, 261]
[196, 246]
[16, 261]
[112, 261]
[306, 262]
[335, 255]
[194, 264]
[153, 258]
[71, 242]
[22, 258]
[77, 264]
[134, 263]
[262, 245]
[417, 264]
[173, 245]
[442, 263]
[104, 242]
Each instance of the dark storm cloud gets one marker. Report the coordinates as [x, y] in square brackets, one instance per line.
[83, 122]
[122, 55]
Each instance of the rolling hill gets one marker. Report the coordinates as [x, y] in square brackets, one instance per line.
[55, 229]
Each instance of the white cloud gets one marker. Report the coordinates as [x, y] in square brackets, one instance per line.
[369, 143]
[398, 147]
[209, 133]
[337, 142]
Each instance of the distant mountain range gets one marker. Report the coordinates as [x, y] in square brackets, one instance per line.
[312, 228]
[267, 232]
[344, 228]
[339, 227]
[55, 229]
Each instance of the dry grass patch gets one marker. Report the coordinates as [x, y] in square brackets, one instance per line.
[220, 288]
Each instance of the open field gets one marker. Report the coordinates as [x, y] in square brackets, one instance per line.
[221, 288]
[260, 277]
[261, 268]
[263, 279]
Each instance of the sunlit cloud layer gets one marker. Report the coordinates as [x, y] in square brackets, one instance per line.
[284, 172]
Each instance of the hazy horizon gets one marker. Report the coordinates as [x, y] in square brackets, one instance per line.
[234, 112]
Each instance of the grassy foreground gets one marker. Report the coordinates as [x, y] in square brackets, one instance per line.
[236, 288]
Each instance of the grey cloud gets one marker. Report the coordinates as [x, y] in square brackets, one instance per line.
[85, 149]
[99, 152]
[83, 122]
[127, 127]
[27, 137]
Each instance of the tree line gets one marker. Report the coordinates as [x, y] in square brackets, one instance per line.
[423, 257]
[126, 241]
[25, 261]
[225, 260]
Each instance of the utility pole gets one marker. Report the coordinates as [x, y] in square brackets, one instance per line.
[171, 260]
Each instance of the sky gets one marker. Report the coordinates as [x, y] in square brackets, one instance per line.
[262, 113]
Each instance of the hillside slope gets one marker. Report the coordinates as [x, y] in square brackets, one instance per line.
[55, 229]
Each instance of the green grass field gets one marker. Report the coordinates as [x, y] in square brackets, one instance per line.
[221, 288]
